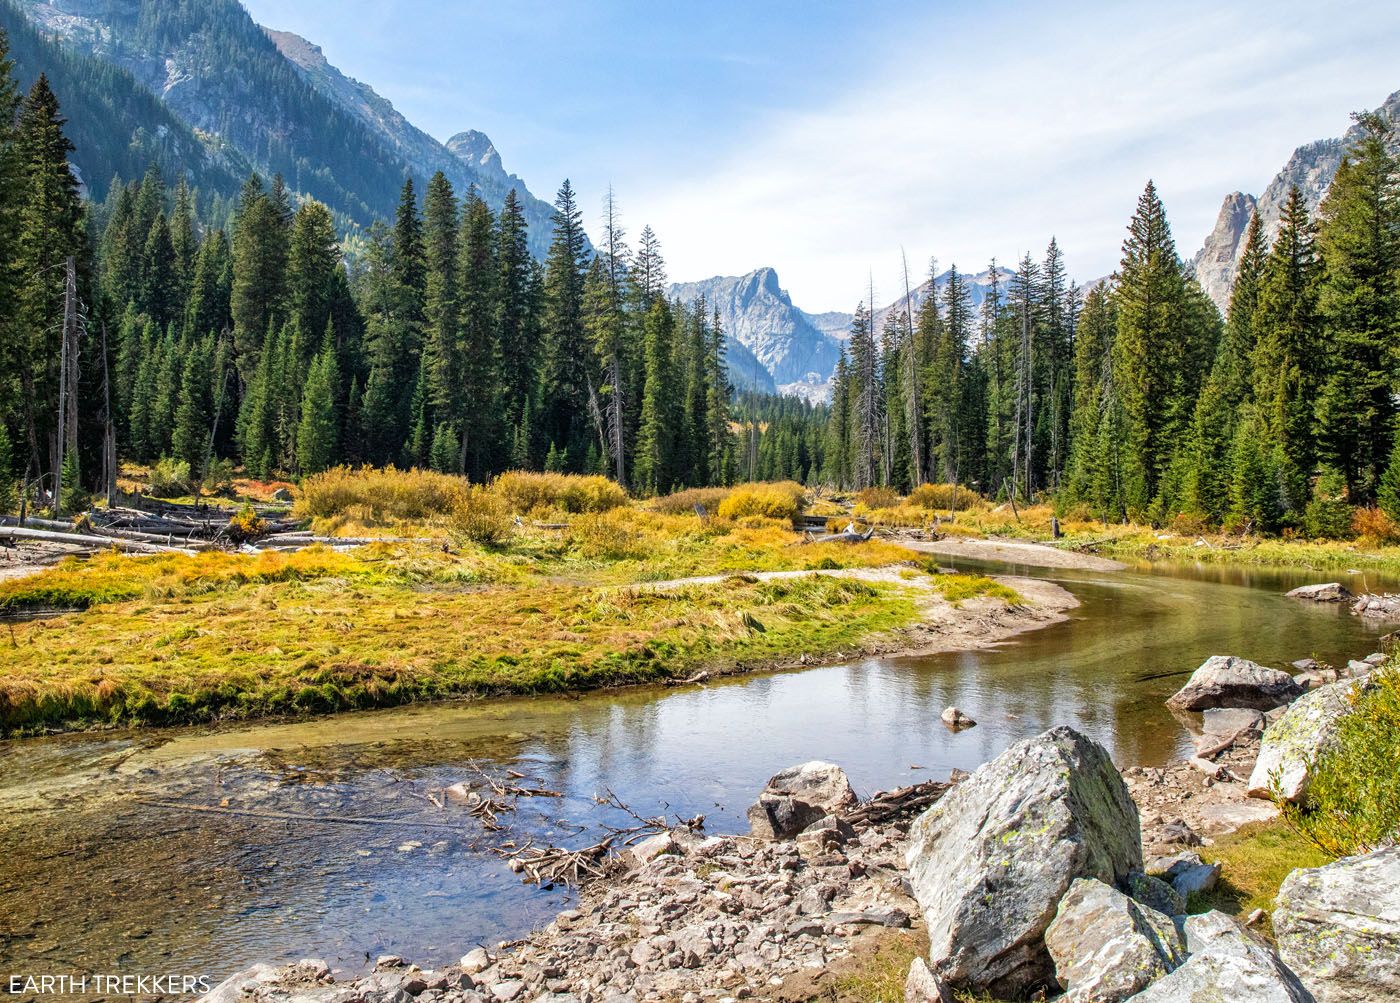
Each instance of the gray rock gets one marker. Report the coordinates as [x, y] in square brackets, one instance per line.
[1222, 721]
[797, 797]
[240, 985]
[1292, 742]
[1377, 606]
[654, 846]
[1338, 927]
[1107, 947]
[896, 918]
[989, 863]
[1315, 678]
[1250, 975]
[1187, 873]
[1215, 931]
[476, 960]
[954, 718]
[1155, 893]
[281, 495]
[924, 986]
[1327, 592]
[1227, 681]
[1357, 669]
[508, 990]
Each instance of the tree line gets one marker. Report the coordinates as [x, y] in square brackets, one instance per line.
[1135, 399]
[443, 344]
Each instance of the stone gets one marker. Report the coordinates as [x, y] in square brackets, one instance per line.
[1338, 927]
[385, 961]
[1177, 831]
[1377, 606]
[798, 796]
[1187, 873]
[990, 861]
[1327, 592]
[1215, 931]
[895, 918]
[1220, 722]
[281, 495]
[1357, 669]
[507, 990]
[1106, 947]
[1156, 893]
[654, 846]
[1315, 678]
[1221, 819]
[954, 718]
[924, 986]
[1252, 974]
[1292, 742]
[236, 987]
[1227, 681]
[475, 960]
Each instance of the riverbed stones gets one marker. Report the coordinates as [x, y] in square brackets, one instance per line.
[1293, 742]
[1338, 927]
[1326, 592]
[924, 985]
[955, 718]
[1228, 681]
[795, 798]
[1107, 947]
[241, 984]
[990, 862]
[1377, 606]
[1221, 722]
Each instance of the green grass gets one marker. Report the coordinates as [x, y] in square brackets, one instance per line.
[1254, 861]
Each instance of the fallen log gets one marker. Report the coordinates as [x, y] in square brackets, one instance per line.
[86, 540]
[849, 536]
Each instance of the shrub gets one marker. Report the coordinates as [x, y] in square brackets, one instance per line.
[684, 502]
[1352, 803]
[480, 517]
[377, 496]
[244, 525]
[777, 500]
[940, 496]
[607, 536]
[218, 479]
[170, 478]
[527, 490]
[878, 497]
[1328, 516]
[1374, 527]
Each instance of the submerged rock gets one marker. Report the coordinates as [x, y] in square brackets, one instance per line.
[990, 862]
[954, 718]
[1338, 927]
[1327, 592]
[1107, 947]
[799, 796]
[1227, 681]
[1293, 741]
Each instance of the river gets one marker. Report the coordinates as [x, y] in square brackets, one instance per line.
[105, 866]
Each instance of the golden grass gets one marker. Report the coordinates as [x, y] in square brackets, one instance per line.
[527, 491]
[374, 495]
[776, 500]
[1254, 861]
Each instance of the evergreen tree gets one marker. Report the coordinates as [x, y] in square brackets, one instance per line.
[318, 431]
[566, 378]
[257, 296]
[656, 438]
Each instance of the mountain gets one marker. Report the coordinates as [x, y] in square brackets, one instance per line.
[756, 311]
[1311, 167]
[118, 126]
[270, 97]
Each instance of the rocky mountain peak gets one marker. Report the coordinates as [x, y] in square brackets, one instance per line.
[475, 148]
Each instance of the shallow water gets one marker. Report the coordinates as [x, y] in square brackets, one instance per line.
[309, 846]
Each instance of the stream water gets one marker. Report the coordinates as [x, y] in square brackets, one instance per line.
[318, 839]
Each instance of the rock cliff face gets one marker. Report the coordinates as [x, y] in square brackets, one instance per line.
[1311, 167]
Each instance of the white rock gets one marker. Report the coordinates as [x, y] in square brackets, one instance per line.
[1327, 592]
[1250, 975]
[1291, 742]
[1107, 947]
[232, 989]
[476, 960]
[1338, 927]
[989, 863]
[798, 796]
[1227, 681]
[923, 986]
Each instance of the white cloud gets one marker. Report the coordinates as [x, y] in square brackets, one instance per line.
[976, 136]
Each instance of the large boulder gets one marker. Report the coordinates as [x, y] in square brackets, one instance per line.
[1338, 927]
[1227, 681]
[1293, 741]
[797, 797]
[1107, 947]
[1327, 592]
[990, 862]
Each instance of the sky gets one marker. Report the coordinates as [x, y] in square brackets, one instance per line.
[830, 139]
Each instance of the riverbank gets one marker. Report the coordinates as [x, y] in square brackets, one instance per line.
[1023, 552]
[181, 639]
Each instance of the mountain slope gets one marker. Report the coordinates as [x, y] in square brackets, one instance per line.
[118, 126]
[1311, 167]
[222, 76]
[759, 314]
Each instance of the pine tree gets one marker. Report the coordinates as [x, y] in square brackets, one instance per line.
[318, 431]
[312, 261]
[194, 412]
[866, 415]
[479, 349]
[515, 322]
[566, 378]
[445, 453]
[442, 358]
[257, 297]
[1093, 348]
[1359, 238]
[656, 437]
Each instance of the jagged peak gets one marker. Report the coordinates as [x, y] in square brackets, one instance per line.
[301, 51]
[475, 148]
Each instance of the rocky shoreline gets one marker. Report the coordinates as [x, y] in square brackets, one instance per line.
[1046, 870]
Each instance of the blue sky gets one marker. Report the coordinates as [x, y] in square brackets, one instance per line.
[820, 138]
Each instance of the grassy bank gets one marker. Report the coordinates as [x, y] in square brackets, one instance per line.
[550, 607]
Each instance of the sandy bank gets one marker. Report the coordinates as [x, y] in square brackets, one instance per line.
[1034, 555]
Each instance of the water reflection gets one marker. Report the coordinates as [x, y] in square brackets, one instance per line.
[95, 877]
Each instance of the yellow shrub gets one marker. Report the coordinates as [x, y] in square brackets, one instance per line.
[377, 496]
[1374, 527]
[874, 498]
[684, 502]
[939, 496]
[480, 516]
[779, 500]
[526, 490]
[244, 525]
[608, 536]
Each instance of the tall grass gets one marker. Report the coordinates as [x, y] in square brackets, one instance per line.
[775, 500]
[378, 495]
[527, 491]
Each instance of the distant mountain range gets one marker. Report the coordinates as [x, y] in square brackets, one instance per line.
[1311, 167]
[208, 94]
[774, 344]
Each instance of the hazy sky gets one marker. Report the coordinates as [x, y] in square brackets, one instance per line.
[821, 137]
